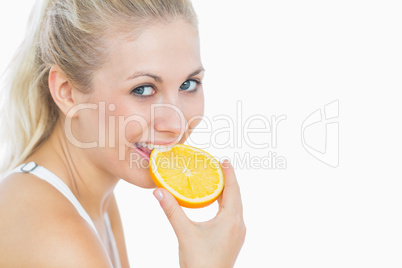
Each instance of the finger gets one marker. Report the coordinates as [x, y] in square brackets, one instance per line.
[230, 198]
[175, 214]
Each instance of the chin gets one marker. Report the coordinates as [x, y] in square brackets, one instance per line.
[141, 178]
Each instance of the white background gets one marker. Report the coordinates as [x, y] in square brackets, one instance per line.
[291, 58]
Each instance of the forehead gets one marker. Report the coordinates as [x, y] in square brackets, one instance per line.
[160, 48]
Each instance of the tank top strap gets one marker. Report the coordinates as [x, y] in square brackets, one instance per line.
[115, 258]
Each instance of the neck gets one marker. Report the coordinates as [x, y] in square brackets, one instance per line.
[91, 185]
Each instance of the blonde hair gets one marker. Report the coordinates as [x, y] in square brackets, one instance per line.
[69, 34]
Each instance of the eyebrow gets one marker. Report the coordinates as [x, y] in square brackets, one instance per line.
[158, 78]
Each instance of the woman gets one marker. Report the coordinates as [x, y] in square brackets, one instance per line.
[95, 85]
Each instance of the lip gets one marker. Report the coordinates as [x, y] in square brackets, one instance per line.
[146, 152]
[167, 144]
[142, 153]
[163, 143]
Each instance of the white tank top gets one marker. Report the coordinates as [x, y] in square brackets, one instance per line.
[51, 178]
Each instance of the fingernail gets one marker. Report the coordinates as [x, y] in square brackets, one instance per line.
[225, 161]
[158, 194]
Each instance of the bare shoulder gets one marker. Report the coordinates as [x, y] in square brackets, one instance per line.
[39, 227]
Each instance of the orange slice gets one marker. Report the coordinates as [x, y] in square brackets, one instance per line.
[191, 175]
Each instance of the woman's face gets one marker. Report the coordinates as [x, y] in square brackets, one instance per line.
[149, 92]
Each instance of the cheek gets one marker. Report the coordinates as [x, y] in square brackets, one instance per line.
[129, 123]
[194, 107]
[193, 111]
[84, 128]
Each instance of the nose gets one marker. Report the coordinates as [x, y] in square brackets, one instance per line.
[169, 120]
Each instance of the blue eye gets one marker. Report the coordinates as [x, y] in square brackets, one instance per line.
[189, 85]
[143, 90]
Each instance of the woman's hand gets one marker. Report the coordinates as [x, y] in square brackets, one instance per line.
[217, 242]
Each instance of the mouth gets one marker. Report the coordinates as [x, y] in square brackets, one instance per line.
[145, 149]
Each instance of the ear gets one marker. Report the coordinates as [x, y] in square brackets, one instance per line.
[61, 89]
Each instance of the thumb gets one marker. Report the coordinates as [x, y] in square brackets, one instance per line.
[175, 214]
